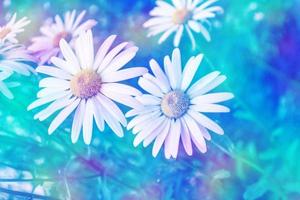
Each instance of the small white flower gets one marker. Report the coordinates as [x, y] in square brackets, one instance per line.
[9, 31]
[69, 28]
[86, 84]
[189, 15]
[173, 109]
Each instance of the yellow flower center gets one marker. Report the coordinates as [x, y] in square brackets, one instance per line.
[181, 16]
[86, 84]
[4, 32]
[175, 104]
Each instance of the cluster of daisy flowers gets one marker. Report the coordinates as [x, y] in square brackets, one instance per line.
[87, 84]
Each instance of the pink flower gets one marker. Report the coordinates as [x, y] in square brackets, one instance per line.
[47, 45]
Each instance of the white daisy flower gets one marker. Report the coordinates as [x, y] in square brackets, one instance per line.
[9, 31]
[69, 28]
[174, 107]
[87, 84]
[181, 15]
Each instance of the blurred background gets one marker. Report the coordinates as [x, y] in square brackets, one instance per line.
[255, 43]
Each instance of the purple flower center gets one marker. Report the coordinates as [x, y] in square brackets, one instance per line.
[62, 35]
[86, 84]
[175, 104]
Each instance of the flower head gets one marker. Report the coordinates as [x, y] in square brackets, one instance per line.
[87, 85]
[69, 28]
[9, 31]
[174, 107]
[180, 16]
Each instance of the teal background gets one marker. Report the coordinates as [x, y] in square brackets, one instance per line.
[255, 43]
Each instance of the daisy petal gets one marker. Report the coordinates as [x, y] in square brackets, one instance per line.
[206, 122]
[160, 139]
[62, 116]
[77, 121]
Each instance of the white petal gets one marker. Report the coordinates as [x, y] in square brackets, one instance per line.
[154, 134]
[53, 71]
[54, 83]
[141, 118]
[150, 87]
[206, 122]
[88, 122]
[168, 141]
[121, 89]
[5, 91]
[203, 82]
[112, 108]
[85, 49]
[112, 123]
[191, 36]
[186, 138]
[78, 20]
[64, 65]
[18, 67]
[124, 74]
[147, 99]
[160, 28]
[210, 86]
[149, 128]
[204, 132]
[149, 118]
[77, 121]
[69, 56]
[62, 116]
[172, 141]
[112, 54]
[196, 134]
[49, 92]
[212, 98]
[177, 3]
[141, 111]
[156, 20]
[97, 110]
[178, 36]
[210, 108]
[53, 107]
[120, 60]
[170, 72]
[160, 76]
[47, 99]
[190, 70]
[102, 51]
[176, 62]
[160, 139]
[206, 4]
[166, 34]
[121, 98]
